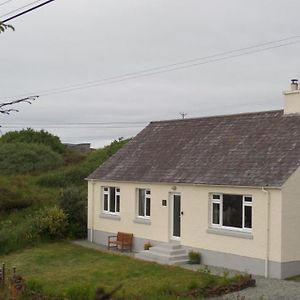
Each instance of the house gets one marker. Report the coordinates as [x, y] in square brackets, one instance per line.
[228, 186]
[82, 147]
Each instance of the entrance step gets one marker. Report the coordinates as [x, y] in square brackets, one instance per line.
[170, 254]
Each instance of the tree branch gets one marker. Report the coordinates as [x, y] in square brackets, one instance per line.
[7, 111]
[3, 27]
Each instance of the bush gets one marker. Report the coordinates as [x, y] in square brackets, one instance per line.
[22, 158]
[147, 245]
[29, 227]
[75, 175]
[73, 201]
[50, 223]
[194, 257]
[36, 137]
[11, 199]
[16, 235]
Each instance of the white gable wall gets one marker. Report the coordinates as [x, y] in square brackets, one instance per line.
[291, 219]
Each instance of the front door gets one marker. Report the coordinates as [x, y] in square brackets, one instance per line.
[176, 211]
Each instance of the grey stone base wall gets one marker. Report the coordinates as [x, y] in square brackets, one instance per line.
[101, 238]
[250, 265]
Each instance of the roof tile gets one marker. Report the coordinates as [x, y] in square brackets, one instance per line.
[253, 149]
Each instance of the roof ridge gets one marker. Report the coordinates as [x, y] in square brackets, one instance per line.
[218, 116]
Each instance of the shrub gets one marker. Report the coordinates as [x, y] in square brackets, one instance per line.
[147, 245]
[194, 257]
[50, 222]
[73, 201]
[22, 158]
[75, 175]
[11, 199]
[36, 137]
[16, 235]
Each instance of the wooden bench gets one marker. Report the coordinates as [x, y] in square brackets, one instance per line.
[120, 241]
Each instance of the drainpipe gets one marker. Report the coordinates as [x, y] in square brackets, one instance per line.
[267, 193]
[92, 213]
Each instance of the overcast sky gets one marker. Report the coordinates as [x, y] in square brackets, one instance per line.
[69, 42]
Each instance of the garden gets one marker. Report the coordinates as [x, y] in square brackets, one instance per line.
[62, 270]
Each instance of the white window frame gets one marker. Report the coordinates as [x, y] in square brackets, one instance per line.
[220, 202]
[106, 190]
[147, 196]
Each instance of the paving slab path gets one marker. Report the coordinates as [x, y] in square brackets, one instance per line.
[265, 289]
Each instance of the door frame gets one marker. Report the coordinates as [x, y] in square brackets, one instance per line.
[171, 218]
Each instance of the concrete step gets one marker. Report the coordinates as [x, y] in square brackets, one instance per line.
[166, 251]
[165, 254]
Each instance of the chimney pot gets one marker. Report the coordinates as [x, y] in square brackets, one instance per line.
[294, 84]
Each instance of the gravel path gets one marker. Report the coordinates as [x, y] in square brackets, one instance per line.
[266, 289]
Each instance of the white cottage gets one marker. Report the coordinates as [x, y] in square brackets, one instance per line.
[228, 186]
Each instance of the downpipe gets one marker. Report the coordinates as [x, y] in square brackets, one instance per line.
[267, 193]
[92, 212]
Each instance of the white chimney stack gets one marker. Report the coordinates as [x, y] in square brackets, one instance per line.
[292, 98]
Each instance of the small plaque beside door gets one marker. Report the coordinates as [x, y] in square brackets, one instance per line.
[164, 202]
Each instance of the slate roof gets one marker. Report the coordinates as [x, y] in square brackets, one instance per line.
[252, 149]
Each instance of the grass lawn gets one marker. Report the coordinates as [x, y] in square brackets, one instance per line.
[65, 269]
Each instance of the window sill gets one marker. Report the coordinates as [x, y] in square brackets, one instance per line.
[109, 216]
[226, 232]
[142, 221]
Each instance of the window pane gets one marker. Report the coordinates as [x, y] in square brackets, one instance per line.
[118, 190]
[148, 192]
[232, 210]
[141, 202]
[105, 189]
[118, 203]
[248, 217]
[105, 204]
[148, 207]
[248, 199]
[112, 202]
[216, 196]
[216, 213]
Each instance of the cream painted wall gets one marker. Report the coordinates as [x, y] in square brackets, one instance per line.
[291, 218]
[195, 221]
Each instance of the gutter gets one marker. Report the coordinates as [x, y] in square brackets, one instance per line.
[183, 184]
[267, 193]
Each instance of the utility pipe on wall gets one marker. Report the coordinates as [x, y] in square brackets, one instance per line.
[92, 213]
[267, 231]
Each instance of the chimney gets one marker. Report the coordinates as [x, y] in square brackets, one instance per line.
[292, 98]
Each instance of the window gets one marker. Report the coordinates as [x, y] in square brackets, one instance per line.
[231, 211]
[144, 203]
[111, 200]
